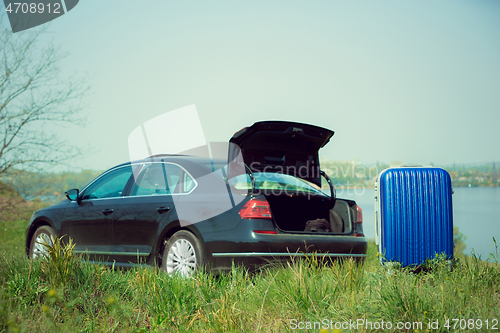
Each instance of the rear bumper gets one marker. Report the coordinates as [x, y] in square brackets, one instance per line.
[249, 248]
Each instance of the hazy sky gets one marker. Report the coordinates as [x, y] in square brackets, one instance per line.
[412, 81]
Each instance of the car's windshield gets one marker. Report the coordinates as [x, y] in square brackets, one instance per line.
[278, 183]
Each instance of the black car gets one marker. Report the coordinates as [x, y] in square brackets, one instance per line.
[182, 212]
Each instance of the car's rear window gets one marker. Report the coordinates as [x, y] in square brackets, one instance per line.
[277, 183]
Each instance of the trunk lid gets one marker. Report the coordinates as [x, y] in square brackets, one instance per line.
[282, 147]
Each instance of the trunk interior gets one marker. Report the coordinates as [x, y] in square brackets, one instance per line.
[292, 213]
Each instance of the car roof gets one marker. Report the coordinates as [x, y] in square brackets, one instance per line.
[177, 158]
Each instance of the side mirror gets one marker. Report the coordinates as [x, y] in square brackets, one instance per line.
[72, 194]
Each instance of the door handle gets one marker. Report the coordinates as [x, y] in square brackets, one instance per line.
[162, 210]
[107, 211]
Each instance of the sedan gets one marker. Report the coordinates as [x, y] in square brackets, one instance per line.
[183, 212]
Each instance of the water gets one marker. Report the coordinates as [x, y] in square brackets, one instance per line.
[476, 212]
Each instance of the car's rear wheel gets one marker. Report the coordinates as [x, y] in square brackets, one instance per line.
[42, 236]
[183, 254]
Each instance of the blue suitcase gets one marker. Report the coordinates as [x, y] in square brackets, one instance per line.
[413, 214]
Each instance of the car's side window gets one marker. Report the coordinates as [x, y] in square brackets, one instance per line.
[151, 180]
[110, 185]
[162, 178]
[188, 183]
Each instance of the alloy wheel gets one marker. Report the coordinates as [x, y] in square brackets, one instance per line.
[181, 258]
[39, 249]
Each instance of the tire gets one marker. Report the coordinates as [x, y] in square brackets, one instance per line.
[183, 254]
[38, 250]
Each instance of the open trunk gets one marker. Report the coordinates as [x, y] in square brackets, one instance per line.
[283, 147]
[292, 213]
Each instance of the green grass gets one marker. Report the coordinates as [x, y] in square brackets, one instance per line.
[12, 237]
[65, 294]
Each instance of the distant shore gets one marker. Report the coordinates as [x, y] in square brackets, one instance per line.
[357, 186]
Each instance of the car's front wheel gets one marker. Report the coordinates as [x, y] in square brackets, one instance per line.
[183, 254]
[42, 236]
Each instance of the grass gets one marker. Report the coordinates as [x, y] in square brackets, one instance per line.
[66, 294]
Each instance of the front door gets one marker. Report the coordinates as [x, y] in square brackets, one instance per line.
[89, 221]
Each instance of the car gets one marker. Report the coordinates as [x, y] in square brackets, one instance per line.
[185, 212]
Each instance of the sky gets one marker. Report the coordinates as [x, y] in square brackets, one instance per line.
[410, 81]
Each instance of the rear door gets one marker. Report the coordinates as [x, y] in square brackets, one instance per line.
[150, 206]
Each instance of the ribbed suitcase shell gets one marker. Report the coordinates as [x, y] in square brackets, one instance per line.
[413, 214]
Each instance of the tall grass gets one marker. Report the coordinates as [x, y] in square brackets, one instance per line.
[66, 294]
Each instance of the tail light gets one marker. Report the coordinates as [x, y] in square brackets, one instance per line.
[359, 214]
[256, 209]
[359, 219]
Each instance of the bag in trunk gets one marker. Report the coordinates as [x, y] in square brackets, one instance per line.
[318, 225]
